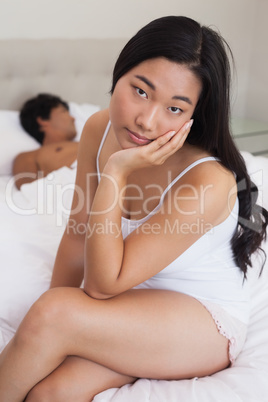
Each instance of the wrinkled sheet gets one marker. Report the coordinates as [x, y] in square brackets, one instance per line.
[32, 223]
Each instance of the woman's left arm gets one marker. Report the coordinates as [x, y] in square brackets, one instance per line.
[104, 244]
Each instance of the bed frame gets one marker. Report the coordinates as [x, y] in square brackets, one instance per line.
[77, 70]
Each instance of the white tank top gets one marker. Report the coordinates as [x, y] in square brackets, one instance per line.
[206, 270]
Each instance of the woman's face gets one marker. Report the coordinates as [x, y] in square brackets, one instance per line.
[151, 99]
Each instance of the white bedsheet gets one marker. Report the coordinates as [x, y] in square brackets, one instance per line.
[32, 224]
[28, 245]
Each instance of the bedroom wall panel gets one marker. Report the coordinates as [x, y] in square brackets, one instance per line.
[77, 70]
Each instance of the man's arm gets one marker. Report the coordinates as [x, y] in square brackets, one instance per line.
[25, 168]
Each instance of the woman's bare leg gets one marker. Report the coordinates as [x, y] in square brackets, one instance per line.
[78, 380]
[140, 333]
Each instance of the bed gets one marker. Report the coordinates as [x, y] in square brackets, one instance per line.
[33, 219]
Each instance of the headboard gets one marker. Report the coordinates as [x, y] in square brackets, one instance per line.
[78, 70]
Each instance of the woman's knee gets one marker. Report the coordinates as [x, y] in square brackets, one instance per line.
[46, 315]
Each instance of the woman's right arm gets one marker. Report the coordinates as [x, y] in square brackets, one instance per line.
[69, 264]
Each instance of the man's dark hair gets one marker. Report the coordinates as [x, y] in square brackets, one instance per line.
[39, 106]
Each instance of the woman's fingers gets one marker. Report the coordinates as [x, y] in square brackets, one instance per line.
[168, 143]
[177, 137]
[163, 139]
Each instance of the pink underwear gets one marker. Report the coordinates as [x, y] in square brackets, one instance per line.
[230, 327]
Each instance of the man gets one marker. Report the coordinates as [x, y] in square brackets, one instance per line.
[46, 118]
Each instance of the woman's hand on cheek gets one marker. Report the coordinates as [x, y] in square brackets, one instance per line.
[156, 153]
[167, 144]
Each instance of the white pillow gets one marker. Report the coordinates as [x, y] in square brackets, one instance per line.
[14, 139]
[81, 112]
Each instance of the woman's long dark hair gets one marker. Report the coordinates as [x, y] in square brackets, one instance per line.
[204, 51]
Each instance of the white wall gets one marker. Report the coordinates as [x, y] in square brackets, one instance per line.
[237, 20]
[257, 96]
[117, 18]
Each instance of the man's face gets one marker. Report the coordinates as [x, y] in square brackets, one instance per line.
[61, 124]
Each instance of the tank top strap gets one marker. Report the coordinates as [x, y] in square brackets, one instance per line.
[130, 225]
[100, 148]
[191, 166]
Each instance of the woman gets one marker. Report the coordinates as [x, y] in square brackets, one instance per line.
[167, 296]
